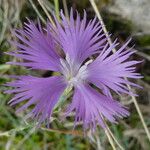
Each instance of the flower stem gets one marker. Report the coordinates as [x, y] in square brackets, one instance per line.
[140, 115]
[113, 137]
[110, 139]
[46, 12]
[36, 10]
[56, 3]
[65, 8]
[129, 87]
[108, 133]
[101, 21]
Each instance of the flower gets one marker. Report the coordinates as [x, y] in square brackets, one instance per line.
[67, 48]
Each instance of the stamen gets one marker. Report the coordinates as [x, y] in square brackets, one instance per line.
[74, 76]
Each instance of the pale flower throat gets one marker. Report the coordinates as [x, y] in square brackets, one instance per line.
[72, 72]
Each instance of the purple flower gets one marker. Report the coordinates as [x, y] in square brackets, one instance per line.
[67, 48]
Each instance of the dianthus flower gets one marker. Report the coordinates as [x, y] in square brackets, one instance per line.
[79, 51]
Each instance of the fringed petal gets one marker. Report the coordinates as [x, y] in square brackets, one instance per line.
[42, 93]
[90, 107]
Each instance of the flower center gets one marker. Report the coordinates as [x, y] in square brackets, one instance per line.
[73, 72]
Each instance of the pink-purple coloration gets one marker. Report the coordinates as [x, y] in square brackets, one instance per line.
[66, 49]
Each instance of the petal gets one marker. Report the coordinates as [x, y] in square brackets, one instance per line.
[37, 47]
[42, 93]
[110, 70]
[78, 38]
[90, 106]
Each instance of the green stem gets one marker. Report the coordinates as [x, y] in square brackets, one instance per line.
[65, 8]
[56, 3]
[46, 12]
[67, 93]
[36, 10]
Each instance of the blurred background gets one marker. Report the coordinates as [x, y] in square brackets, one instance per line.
[123, 19]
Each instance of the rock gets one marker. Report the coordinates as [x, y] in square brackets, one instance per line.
[137, 11]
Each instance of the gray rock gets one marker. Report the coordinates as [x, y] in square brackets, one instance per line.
[137, 11]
